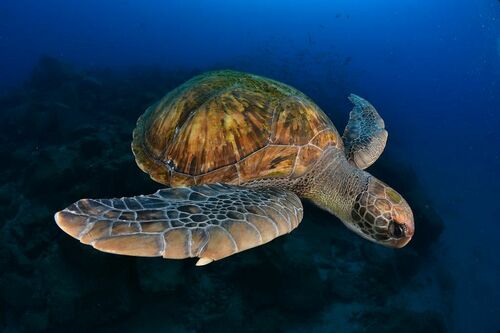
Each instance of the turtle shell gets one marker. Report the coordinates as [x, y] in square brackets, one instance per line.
[231, 127]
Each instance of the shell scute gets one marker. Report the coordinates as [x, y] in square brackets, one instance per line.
[297, 121]
[272, 161]
[307, 156]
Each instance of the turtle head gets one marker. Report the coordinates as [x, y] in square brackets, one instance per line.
[366, 205]
[380, 214]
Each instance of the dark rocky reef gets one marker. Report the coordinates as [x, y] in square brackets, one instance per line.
[66, 135]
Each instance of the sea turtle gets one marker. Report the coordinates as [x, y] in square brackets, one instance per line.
[236, 152]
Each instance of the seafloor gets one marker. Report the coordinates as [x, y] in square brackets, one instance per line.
[66, 135]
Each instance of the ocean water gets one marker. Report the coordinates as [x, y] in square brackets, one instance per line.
[76, 75]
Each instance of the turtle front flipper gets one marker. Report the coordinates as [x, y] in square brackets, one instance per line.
[365, 135]
[206, 221]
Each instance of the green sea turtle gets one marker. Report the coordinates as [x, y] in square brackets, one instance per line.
[236, 152]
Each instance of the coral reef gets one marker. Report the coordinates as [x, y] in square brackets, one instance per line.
[66, 135]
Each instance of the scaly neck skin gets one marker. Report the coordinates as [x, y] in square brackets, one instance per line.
[336, 183]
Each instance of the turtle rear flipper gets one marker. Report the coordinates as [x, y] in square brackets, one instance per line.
[206, 221]
[365, 135]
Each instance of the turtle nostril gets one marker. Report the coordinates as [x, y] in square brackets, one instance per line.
[397, 230]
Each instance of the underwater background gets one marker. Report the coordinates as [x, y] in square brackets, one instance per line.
[76, 75]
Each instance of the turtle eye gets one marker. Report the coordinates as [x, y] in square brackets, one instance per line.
[397, 230]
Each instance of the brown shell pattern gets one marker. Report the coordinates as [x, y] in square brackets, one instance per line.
[231, 127]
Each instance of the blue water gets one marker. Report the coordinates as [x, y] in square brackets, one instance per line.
[432, 69]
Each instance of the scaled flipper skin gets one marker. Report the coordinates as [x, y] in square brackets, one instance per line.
[205, 221]
[365, 135]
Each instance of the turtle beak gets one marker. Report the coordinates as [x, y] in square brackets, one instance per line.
[404, 222]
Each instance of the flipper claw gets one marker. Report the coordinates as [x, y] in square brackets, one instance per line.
[203, 261]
